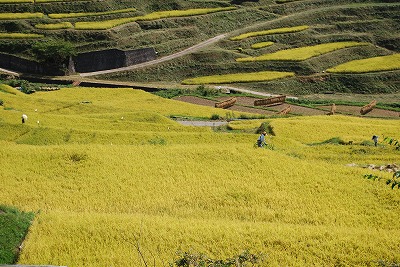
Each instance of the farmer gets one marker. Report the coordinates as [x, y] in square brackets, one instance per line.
[375, 139]
[261, 139]
[24, 118]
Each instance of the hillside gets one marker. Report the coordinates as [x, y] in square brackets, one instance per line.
[113, 180]
[99, 25]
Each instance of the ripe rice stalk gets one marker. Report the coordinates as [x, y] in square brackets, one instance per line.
[270, 101]
[20, 35]
[15, 1]
[55, 26]
[261, 45]
[88, 14]
[239, 77]
[26, 15]
[271, 31]
[108, 24]
[226, 103]
[374, 64]
[333, 110]
[367, 108]
[302, 53]
[285, 110]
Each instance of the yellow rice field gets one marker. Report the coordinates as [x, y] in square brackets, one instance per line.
[261, 45]
[88, 14]
[17, 35]
[55, 26]
[271, 31]
[383, 63]
[26, 15]
[107, 169]
[108, 24]
[302, 53]
[239, 77]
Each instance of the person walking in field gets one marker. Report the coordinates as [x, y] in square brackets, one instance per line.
[24, 118]
[261, 139]
[375, 139]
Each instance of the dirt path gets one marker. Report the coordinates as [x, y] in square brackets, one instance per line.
[163, 59]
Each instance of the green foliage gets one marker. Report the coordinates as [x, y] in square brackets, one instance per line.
[372, 177]
[53, 52]
[395, 181]
[190, 259]
[1, 102]
[205, 91]
[392, 142]
[14, 226]
[333, 141]
[215, 117]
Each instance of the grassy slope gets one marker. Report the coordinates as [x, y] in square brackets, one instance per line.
[13, 228]
[103, 183]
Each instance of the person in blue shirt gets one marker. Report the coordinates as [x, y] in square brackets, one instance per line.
[261, 139]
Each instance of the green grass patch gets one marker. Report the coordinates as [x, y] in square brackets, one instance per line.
[268, 32]
[25, 15]
[261, 45]
[14, 226]
[108, 24]
[239, 77]
[302, 53]
[374, 64]
[89, 14]
[55, 26]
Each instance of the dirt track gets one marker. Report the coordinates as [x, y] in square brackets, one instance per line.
[163, 59]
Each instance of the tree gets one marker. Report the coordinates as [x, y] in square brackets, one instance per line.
[53, 52]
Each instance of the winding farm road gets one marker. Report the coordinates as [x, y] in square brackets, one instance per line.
[163, 59]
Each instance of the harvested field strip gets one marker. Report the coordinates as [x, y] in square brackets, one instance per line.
[55, 26]
[375, 64]
[88, 14]
[26, 15]
[261, 45]
[20, 35]
[15, 1]
[103, 25]
[239, 77]
[267, 32]
[302, 53]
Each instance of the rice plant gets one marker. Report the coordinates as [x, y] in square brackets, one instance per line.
[55, 26]
[26, 15]
[261, 45]
[239, 77]
[302, 53]
[374, 64]
[20, 35]
[108, 24]
[271, 31]
[88, 14]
